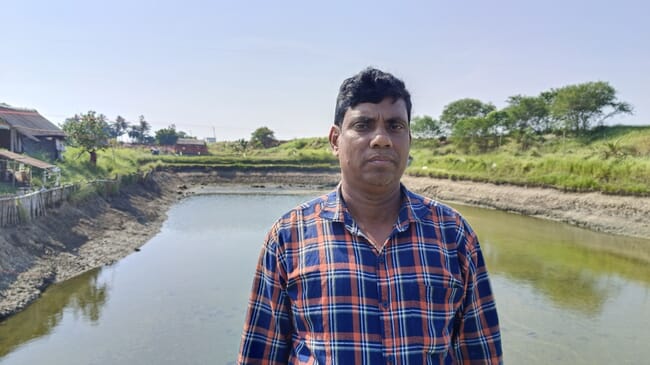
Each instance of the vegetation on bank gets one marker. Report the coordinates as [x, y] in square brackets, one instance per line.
[116, 161]
[613, 160]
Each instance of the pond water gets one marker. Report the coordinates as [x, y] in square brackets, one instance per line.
[182, 298]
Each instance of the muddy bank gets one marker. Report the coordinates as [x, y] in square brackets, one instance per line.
[75, 238]
[621, 215]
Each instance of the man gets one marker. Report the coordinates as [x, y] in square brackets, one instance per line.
[371, 273]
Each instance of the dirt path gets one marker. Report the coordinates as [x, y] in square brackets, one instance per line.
[75, 238]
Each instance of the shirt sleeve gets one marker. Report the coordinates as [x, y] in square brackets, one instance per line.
[478, 338]
[266, 338]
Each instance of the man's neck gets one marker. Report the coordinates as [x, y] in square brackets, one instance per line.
[373, 207]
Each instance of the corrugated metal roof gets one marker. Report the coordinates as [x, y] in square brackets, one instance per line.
[26, 160]
[29, 122]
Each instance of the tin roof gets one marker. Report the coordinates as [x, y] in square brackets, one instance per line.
[29, 122]
[27, 160]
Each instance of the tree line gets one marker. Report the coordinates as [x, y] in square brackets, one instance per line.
[93, 132]
[569, 110]
[98, 128]
[470, 123]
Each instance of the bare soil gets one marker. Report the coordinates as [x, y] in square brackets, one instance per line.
[620, 215]
[74, 238]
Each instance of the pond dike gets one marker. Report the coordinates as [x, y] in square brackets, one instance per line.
[98, 231]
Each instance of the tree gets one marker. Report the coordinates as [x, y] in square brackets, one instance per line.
[118, 127]
[88, 131]
[579, 107]
[479, 132]
[461, 109]
[140, 131]
[264, 137]
[145, 127]
[167, 136]
[527, 112]
[134, 133]
[466, 132]
[425, 127]
[497, 121]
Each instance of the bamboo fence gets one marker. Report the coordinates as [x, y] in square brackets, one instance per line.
[23, 208]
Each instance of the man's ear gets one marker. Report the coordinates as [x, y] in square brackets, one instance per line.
[335, 132]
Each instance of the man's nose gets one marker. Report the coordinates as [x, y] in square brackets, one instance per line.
[380, 138]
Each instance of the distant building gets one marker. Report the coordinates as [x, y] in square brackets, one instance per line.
[211, 139]
[26, 131]
[189, 146]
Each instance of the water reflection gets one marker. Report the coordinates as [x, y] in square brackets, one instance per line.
[569, 265]
[560, 292]
[83, 295]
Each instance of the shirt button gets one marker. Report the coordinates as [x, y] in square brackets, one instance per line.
[384, 304]
[380, 260]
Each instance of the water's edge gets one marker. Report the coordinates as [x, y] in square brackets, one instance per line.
[102, 231]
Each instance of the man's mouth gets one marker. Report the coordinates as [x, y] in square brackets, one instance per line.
[381, 159]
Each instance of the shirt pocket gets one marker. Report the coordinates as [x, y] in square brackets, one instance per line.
[442, 304]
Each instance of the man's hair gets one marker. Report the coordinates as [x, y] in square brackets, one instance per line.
[370, 86]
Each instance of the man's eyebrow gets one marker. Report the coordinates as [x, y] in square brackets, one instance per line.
[363, 118]
[396, 120]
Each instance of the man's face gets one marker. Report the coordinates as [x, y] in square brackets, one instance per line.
[372, 144]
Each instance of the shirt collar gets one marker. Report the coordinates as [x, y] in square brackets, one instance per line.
[413, 208]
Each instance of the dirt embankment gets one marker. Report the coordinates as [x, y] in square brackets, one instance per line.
[72, 239]
[621, 215]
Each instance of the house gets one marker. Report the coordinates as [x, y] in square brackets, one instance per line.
[189, 146]
[18, 169]
[26, 131]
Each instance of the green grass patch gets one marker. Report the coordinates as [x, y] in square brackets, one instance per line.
[613, 160]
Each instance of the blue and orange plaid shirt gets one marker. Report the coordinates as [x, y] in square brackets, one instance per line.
[323, 294]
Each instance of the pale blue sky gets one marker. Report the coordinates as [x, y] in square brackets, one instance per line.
[239, 65]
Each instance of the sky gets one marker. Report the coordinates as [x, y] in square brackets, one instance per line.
[224, 68]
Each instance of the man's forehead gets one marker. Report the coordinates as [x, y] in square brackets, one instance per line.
[388, 106]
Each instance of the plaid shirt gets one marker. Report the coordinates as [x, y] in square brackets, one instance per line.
[323, 294]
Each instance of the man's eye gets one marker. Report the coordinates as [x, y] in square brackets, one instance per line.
[361, 126]
[396, 126]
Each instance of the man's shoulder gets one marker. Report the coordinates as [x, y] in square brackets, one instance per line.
[430, 212]
[310, 208]
[302, 218]
[424, 206]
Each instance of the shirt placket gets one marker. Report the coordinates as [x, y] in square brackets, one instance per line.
[384, 304]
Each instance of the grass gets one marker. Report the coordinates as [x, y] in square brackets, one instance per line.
[614, 160]
[111, 163]
[304, 153]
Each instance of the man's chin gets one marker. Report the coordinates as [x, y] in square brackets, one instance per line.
[382, 180]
